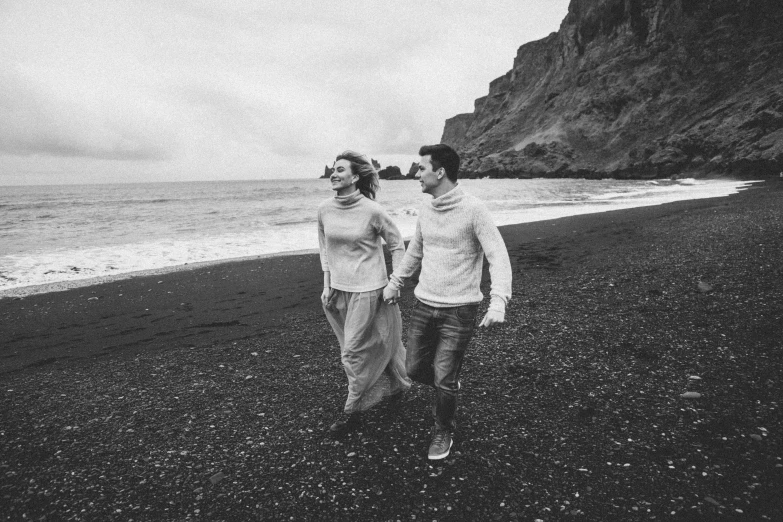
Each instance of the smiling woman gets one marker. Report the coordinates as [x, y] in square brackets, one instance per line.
[342, 179]
[369, 330]
[354, 171]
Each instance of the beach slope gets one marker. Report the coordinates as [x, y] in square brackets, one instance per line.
[638, 375]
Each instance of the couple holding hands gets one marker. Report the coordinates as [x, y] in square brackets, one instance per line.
[453, 234]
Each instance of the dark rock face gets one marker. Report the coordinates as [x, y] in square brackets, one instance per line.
[390, 172]
[636, 89]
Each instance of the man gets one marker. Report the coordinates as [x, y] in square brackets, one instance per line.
[453, 233]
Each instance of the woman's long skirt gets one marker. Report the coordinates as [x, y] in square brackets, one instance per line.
[370, 335]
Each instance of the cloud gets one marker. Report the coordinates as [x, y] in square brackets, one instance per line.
[41, 119]
[201, 89]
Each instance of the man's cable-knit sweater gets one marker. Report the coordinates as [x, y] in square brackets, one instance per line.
[349, 232]
[453, 233]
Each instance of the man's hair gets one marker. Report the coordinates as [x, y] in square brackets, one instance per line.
[442, 156]
[362, 166]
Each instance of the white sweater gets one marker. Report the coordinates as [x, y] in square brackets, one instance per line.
[453, 234]
[350, 229]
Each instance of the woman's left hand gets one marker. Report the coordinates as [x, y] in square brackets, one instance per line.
[390, 296]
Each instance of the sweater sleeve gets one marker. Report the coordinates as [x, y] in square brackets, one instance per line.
[410, 262]
[497, 254]
[391, 234]
[322, 243]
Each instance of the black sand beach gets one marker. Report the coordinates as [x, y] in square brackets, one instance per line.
[205, 394]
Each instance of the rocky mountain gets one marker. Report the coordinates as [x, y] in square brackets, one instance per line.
[636, 89]
[389, 173]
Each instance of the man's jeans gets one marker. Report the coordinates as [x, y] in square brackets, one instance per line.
[437, 340]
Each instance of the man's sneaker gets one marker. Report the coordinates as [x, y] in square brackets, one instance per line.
[346, 424]
[440, 445]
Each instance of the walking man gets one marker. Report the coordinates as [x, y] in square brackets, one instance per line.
[453, 233]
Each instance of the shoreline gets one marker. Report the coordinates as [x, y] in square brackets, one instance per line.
[58, 286]
[232, 300]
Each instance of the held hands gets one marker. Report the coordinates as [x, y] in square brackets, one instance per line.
[492, 317]
[325, 296]
[390, 295]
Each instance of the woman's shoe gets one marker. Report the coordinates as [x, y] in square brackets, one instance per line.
[397, 399]
[348, 423]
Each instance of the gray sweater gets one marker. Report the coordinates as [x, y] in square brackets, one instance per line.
[350, 229]
[453, 233]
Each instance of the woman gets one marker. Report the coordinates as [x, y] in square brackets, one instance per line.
[350, 228]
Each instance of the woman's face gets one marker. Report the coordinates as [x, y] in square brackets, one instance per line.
[343, 180]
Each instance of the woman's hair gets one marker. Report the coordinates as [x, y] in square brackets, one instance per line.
[361, 165]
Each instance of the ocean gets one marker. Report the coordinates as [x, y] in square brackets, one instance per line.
[71, 235]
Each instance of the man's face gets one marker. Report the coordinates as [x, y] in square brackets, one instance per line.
[427, 177]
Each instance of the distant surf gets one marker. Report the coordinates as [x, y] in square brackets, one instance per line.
[61, 236]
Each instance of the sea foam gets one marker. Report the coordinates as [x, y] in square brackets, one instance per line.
[64, 236]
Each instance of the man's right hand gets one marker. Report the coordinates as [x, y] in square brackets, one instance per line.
[325, 296]
[492, 317]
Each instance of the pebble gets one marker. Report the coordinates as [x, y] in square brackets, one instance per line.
[691, 395]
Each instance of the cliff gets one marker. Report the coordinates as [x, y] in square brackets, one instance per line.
[636, 89]
[391, 173]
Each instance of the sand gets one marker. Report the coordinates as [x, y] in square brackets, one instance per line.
[206, 393]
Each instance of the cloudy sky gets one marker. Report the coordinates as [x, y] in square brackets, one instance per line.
[173, 90]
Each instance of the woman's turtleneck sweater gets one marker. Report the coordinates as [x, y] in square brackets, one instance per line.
[453, 234]
[350, 229]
